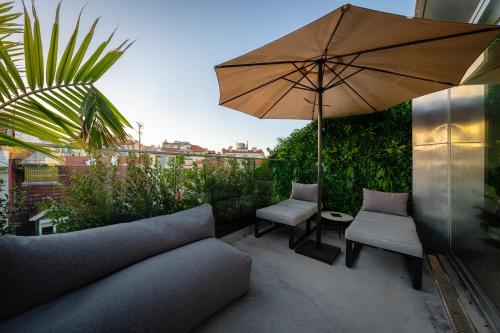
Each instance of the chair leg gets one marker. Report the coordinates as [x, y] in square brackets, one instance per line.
[418, 264]
[351, 252]
[291, 236]
[258, 233]
[348, 253]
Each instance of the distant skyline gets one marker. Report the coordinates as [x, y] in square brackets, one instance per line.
[166, 79]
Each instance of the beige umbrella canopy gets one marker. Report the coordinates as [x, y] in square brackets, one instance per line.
[351, 61]
[372, 60]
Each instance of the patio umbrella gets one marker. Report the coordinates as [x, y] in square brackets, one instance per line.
[349, 62]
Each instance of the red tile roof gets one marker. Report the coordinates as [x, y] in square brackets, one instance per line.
[198, 149]
[75, 161]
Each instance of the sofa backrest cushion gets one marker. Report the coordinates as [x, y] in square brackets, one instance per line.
[385, 202]
[37, 269]
[305, 192]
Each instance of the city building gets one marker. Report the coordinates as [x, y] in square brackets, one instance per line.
[241, 150]
[190, 152]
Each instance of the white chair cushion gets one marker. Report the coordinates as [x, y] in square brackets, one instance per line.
[301, 204]
[290, 212]
[386, 231]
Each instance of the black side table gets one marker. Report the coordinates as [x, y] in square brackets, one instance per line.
[339, 220]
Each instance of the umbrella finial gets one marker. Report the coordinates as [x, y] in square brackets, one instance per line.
[346, 7]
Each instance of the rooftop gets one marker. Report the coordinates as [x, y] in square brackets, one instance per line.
[292, 293]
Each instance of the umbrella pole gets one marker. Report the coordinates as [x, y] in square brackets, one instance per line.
[320, 152]
[315, 249]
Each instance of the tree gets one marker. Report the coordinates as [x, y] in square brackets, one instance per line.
[56, 99]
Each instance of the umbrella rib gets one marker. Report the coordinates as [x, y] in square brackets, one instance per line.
[393, 73]
[303, 86]
[344, 8]
[279, 62]
[354, 90]
[264, 84]
[343, 80]
[342, 70]
[427, 40]
[305, 76]
[359, 95]
[283, 96]
[306, 89]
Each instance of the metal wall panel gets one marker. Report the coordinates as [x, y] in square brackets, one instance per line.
[431, 118]
[448, 164]
[467, 196]
[467, 166]
[431, 194]
[467, 116]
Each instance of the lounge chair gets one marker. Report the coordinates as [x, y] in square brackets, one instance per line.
[383, 223]
[291, 213]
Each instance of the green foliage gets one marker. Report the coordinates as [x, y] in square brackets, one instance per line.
[9, 216]
[94, 199]
[228, 185]
[372, 151]
[55, 101]
[101, 196]
[144, 193]
[493, 180]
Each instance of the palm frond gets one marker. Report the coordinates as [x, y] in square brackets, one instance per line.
[10, 141]
[8, 29]
[8, 24]
[56, 100]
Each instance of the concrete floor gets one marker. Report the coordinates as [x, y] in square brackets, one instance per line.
[292, 293]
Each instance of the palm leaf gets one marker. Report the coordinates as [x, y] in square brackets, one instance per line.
[87, 66]
[37, 54]
[9, 28]
[65, 61]
[71, 112]
[52, 56]
[77, 60]
[29, 58]
[9, 140]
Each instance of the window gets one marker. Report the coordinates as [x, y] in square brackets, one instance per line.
[41, 174]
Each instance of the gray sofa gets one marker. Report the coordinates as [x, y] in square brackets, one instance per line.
[161, 274]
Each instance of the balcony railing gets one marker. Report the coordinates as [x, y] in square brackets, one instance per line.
[129, 185]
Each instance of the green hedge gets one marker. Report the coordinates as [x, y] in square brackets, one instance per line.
[372, 151]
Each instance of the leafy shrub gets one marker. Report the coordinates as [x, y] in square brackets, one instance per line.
[372, 151]
[10, 217]
[94, 199]
[101, 195]
[232, 186]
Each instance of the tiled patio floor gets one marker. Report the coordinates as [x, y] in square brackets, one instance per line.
[291, 293]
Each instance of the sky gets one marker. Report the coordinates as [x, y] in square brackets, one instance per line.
[166, 80]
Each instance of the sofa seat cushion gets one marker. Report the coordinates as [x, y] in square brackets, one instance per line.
[170, 292]
[290, 212]
[386, 231]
